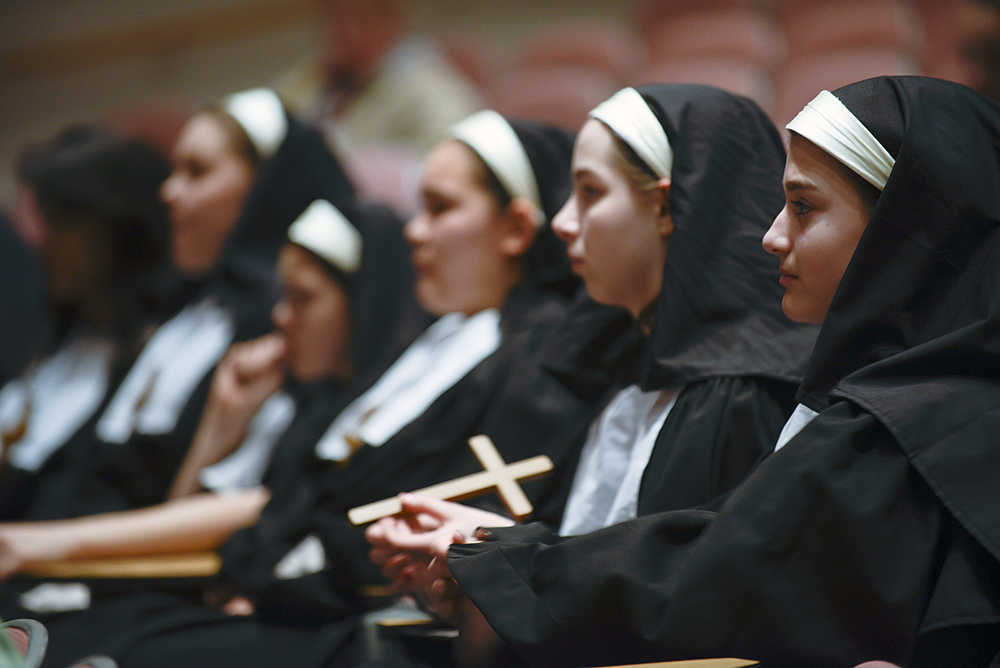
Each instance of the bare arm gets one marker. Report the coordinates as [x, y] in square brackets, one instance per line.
[197, 522]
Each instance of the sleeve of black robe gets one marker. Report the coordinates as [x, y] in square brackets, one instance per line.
[827, 556]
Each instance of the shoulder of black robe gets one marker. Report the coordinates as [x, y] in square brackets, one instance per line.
[725, 191]
[22, 302]
[871, 533]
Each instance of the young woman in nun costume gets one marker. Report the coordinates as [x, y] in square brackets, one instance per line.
[670, 201]
[241, 175]
[872, 532]
[93, 197]
[344, 302]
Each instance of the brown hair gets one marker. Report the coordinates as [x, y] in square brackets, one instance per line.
[635, 169]
[239, 140]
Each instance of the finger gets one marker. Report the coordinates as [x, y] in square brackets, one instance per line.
[425, 521]
[394, 565]
[418, 503]
[375, 534]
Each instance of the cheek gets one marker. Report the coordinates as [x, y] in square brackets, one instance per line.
[464, 240]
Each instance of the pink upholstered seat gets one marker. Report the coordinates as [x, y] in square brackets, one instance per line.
[605, 47]
[735, 76]
[745, 34]
[558, 95]
[804, 78]
[815, 27]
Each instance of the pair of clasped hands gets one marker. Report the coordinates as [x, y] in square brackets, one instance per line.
[412, 550]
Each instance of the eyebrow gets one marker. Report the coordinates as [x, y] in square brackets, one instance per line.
[581, 172]
[799, 184]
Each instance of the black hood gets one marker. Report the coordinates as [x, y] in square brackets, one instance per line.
[549, 150]
[719, 309]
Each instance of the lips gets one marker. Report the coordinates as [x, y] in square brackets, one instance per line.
[786, 278]
[575, 263]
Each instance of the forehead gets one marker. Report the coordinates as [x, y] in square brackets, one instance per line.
[450, 166]
[807, 165]
[298, 267]
[595, 149]
[203, 135]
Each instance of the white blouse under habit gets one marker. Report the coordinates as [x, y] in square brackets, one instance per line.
[434, 362]
[52, 400]
[173, 362]
[619, 443]
[801, 416]
[245, 467]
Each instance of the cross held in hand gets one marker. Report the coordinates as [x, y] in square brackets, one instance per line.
[498, 474]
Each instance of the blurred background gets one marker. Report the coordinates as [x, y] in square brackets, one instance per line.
[143, 65]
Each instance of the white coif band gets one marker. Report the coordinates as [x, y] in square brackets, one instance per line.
[629, 117]
[495, 142]
[326, 232]
[830, 125]
[260, 112]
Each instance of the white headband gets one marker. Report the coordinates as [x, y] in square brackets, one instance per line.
[629, 117]
[830, 125]
[260, 112]
[494, 140]
[326, 232]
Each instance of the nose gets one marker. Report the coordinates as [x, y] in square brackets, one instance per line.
[281, 315]
[776, 240]
[566, 223]
[415, 231]
[169, 189]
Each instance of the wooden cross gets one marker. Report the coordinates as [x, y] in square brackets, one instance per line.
[498, 474]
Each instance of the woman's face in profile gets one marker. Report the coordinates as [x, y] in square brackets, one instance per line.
[615, 233]
[205, 193]
[815, 234]
[314, 317]
[457, 238]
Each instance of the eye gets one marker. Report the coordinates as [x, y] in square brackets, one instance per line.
[435, 206]
[800, 207]
[588, 192]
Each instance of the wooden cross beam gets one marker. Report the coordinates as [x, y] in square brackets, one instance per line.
[497, 475]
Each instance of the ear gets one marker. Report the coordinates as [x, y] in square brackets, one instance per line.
[520, 225]
[661, 191]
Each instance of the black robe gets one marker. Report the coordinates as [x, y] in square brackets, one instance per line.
[872, 534]
[22, 303]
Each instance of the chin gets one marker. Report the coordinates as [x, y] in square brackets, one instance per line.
[432, 302]
[801, 313]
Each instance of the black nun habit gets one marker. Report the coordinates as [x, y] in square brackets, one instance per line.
[874, 533]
